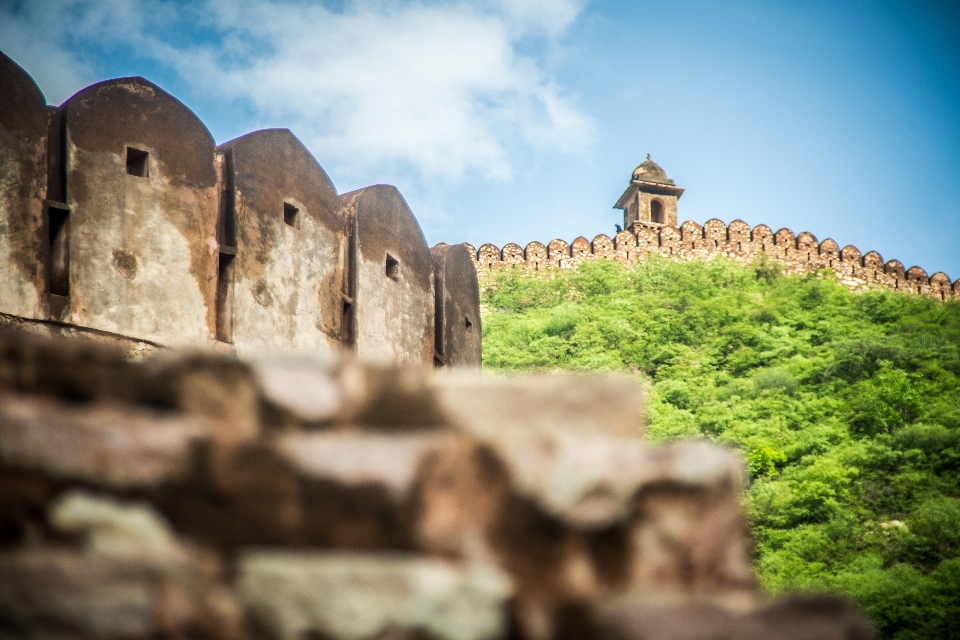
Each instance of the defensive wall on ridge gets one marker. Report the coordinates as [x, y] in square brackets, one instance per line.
[121, 219]
[798, 253]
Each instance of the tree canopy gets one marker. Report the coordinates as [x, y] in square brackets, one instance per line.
[846, 407]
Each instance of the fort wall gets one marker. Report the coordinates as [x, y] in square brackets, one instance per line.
[797, 253]
[121, 219]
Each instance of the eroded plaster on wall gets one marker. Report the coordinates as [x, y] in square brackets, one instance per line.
[288, 271]
[142, 241]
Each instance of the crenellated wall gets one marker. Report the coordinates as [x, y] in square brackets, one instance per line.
[798, 253]
[120, 218]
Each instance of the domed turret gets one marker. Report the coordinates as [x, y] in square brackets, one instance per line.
[651, 198]
[650, 171]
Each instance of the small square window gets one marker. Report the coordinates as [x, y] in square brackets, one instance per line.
[137, 162]
[291, 215]
[392, 268]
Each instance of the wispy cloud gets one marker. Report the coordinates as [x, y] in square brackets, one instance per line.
[439, 88]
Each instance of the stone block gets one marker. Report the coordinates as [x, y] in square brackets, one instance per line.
[116, 446]
[585, 404]
[295, 595]
[131, 577]
[63, 594]
[572, 517]
[790, 618]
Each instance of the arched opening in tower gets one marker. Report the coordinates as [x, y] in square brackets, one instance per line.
[656, 211]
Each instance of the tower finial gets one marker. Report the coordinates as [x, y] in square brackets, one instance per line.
[648, 156]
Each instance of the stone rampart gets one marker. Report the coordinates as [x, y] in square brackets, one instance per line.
[798, 253]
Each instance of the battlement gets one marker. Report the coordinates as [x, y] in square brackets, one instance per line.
[798, 253]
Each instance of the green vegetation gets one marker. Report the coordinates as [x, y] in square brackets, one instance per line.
[846, 407]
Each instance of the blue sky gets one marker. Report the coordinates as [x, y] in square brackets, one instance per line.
[520, 120]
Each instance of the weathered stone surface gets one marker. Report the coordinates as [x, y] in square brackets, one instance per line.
[391, 278]
[306, 392]
[354, 458]
[135, 153]
[572, 518]
[792, 618]
[23, 186]
[132, 578]
[219, 388]
[287, 274]
[55, 593]
[194, 496]
[360, 597]
[111, 445]
[457, 314]
[111, 527]
[578, 404]
[330, 489]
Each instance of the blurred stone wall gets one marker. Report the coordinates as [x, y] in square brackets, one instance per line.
[195, 496]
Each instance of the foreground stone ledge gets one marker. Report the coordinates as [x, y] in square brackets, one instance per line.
[193, 496]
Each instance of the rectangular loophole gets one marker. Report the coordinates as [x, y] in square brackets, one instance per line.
[291, 215]
[346, 323]
[58, 221]
[392, 268]
[224, 302]
[137, 162]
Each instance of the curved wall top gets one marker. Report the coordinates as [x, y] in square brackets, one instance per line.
[392, 277]
[142, 187]
[282, 216]
[118, 214]
[23, 185]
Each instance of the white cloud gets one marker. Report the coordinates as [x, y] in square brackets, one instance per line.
[439, 88]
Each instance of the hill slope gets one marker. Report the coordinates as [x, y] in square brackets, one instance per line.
[846, 406]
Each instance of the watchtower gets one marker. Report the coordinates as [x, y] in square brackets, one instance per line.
[651, 198]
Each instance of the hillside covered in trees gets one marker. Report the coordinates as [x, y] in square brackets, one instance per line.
[846, 407]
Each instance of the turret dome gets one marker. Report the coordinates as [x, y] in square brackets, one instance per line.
[650, 171]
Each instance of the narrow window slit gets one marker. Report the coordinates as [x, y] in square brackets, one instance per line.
[346, 323]
[224, 302]
[58, 221]
[468, 325]
[392, 268]
[291, 215]
[137, 162]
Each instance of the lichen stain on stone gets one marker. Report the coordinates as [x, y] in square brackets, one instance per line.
[126, 263]
[261, 293]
